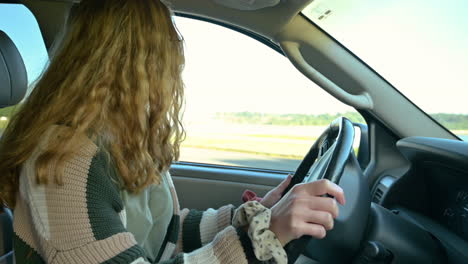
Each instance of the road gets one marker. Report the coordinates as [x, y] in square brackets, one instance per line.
[237, 159]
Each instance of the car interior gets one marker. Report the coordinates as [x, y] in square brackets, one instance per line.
[406, 187]
[14, 84]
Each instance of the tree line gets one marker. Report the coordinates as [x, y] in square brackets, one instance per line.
[450, 121]
[286, 119]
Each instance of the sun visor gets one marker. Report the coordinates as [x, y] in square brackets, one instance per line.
[247, 4]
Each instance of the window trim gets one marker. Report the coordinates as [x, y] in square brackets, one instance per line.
[275, 47]
[262, 40]
[243, 31]
[231, 167]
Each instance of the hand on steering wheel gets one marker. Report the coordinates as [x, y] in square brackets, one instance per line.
[305, 211]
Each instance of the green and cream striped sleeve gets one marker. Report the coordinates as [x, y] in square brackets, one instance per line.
[76, 222]
[199, 228]
[82, 221]
[230, 246]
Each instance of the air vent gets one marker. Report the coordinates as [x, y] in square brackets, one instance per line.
[378, 195]
[382, 188]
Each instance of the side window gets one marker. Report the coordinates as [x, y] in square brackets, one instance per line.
[21, 26]
[246, 104]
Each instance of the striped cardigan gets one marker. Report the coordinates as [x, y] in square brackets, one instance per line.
[83, 221]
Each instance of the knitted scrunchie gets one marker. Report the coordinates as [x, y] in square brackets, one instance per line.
[265, 244]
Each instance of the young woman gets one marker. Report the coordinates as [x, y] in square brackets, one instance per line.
[84, 163]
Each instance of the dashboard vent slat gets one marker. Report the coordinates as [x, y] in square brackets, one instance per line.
[380, 191]
[378, 195]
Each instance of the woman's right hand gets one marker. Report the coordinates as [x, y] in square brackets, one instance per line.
[305, 211]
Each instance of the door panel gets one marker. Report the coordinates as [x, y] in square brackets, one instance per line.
[204, 186]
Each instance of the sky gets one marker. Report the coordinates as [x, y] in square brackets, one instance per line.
[229, 71]
[416, 45]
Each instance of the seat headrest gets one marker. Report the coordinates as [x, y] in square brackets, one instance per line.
[13, 76]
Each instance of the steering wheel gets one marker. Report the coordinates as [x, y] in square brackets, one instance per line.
[332, 157]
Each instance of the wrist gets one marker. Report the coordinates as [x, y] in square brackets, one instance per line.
[277, 233]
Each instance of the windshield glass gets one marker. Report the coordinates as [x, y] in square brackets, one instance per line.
[419, 46]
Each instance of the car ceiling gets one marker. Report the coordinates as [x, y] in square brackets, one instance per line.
[266, 22]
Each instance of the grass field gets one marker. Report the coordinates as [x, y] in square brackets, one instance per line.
[276, 146]
[285, 142]
[263, 140]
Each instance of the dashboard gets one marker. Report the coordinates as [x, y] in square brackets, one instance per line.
[433, 193]
[449, 198]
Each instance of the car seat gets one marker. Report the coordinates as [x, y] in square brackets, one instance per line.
[13, 86]
[6, 234]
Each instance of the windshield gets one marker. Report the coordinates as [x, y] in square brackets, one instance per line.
[419, 46]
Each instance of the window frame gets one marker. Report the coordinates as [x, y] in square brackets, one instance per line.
[31, 80]
[243, 31]
[267, 42]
